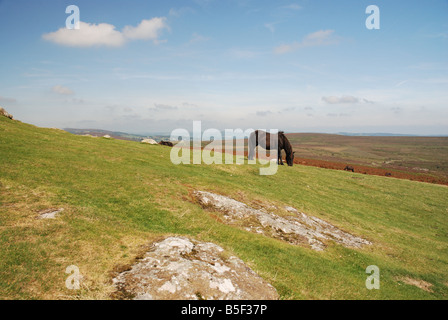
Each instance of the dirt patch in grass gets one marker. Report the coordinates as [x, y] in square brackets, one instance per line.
[424, 285]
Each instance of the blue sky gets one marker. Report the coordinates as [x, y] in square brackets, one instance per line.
[299, 66]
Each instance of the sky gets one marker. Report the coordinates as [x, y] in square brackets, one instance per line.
[299, 66]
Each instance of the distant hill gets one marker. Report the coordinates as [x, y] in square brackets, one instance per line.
[413, 154]
[378, 134]
[115, 134]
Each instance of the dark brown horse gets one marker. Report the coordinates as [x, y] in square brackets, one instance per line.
[349, 168]
[263, 139]
[166, 143]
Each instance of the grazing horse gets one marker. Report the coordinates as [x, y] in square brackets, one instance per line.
[349, 168]
[263, 139]
[166, 143]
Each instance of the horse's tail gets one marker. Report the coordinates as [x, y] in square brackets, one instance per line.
[251, 145]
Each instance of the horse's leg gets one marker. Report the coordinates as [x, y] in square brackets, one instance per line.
[252, 145]
[252, 152]
[280, 157]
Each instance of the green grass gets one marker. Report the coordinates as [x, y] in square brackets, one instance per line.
[121, 195]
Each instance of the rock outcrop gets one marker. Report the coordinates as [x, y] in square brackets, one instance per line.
[49, 213]
[298, 228]
[149, 141]
[179, 268]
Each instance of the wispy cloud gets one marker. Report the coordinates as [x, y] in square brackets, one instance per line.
[104, 34]
[396, 110]
[163, 107]
[195, 38]
[177, 12]
[7, 100]
[345, 100]
[339, 100]
[263, 113]
[433, 81]
[239, 53]
[292, 6]
[204, 3]
[334, 115]
[318, 38]
[443, 35]
[77, 101]
[271, 26]
[62, 90]
[288, 109]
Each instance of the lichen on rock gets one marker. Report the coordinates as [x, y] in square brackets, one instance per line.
[179, 268]
[299, 228]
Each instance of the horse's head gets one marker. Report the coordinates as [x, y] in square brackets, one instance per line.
[290, 159]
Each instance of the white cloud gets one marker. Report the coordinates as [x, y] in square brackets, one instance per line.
[88, 35]
[62, 90]
[343, 99]
[318, 38]
[104, 34]
[146, 30]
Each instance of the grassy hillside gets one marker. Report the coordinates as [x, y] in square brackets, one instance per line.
[120, 195]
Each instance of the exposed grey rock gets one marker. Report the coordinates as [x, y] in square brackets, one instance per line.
[49, 213]
[179, 268]
[296, 229]
[149, 141]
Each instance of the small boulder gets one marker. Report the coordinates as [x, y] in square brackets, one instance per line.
[49, 213]
[149, 141]
[4, 113]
